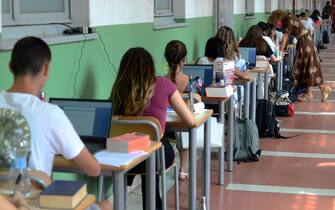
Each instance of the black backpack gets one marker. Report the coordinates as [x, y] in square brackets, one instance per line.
[325, 37]
[266, 121]
[288, 86]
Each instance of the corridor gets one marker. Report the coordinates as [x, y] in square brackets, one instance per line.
[292, 174]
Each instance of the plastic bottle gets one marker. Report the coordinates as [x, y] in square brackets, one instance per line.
[203, 203]
[19, 150]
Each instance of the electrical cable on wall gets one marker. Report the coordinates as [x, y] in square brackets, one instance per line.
[105, 49]
[78, 70]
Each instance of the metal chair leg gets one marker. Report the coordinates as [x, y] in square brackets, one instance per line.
[176, 182]
[162, 169]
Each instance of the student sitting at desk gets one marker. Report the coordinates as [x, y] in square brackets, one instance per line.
[51, 131]
[215, 48]
[138, 92]
[254, 38]
[175, 55]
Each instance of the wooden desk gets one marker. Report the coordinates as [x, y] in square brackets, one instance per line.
[118, 173]
[231, 118]
[249, 94]
[174, 123]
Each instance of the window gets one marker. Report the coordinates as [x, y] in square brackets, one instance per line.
[163, 8]
[249, 8]
[169, 14]
[26, 12]
[268, 6]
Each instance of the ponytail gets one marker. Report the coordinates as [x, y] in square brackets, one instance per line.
[175, 52]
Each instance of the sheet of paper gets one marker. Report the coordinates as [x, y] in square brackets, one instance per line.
[116, 158]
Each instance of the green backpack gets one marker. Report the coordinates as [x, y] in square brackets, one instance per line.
[246, 141]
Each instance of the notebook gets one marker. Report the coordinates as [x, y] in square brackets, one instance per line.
[90, 118]
[205, 72]
[249, 55]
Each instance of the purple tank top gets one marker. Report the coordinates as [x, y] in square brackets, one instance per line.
[159, 102]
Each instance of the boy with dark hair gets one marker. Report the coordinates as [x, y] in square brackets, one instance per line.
[51, 131]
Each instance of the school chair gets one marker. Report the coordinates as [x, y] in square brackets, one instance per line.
[152, 127]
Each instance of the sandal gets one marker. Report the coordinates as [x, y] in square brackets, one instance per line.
[183, 176]
[305, 98]
[325, 93]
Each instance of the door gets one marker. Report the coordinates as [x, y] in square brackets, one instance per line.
[223, 13]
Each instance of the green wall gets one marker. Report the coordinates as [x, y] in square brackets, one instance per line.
[96, 76]
[241, 24]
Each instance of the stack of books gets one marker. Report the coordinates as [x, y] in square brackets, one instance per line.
[219, 91]
[66, 195]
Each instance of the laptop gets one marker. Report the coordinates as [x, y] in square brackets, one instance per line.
[249, 55]
[205, 72]
[90, 118]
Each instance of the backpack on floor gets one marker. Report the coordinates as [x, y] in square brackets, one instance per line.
[283, 105]
[288, 86]
[266, 121]
[246, 142]
[325, 37]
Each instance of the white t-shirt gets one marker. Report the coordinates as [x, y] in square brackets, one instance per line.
[270, 43]
[308, 24]
[51, 131]
[204, 61]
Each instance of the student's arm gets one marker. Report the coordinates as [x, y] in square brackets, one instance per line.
[283, 42]
[181, 109]
[240, 74]
[5, 204]
[65, 141]
[87, 163]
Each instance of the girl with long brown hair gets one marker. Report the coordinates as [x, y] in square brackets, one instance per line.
[254, 38]
[175, 55]
[138, 92]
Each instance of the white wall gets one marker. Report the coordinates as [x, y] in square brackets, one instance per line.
[260, 6]
[239, 6]
[199, 8]
[110, 12]
[115, 12]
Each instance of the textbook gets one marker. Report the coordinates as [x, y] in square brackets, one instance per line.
[219, 91]
[63, 194]
[128, 142]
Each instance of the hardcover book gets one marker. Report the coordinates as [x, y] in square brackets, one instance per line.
[128, 142]
[63, 194]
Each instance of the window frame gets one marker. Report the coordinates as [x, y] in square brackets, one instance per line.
[18, 18]
[249, 13]
[163, 12]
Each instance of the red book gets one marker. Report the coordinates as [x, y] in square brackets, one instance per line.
[128, 142]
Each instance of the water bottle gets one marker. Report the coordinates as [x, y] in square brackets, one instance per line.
[19, 150]
[191, 94]
[203, 203]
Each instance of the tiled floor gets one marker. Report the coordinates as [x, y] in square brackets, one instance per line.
[293, 174]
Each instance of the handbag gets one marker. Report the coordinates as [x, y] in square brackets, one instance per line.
[182, 138]
[283, 106]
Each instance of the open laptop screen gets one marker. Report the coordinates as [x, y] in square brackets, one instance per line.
[205, 72]
[249, 55]
[90, 118]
